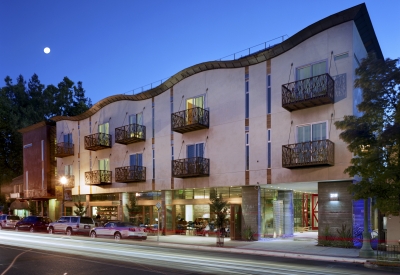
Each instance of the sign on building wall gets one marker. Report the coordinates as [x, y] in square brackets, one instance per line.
[59, 193]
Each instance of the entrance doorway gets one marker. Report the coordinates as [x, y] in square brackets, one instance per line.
[314, 207]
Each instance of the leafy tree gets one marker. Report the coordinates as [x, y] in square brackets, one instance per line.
[81, 209]
[32, 208]
[23, 104]
[220, 208]
[134, 210]
[374, 136]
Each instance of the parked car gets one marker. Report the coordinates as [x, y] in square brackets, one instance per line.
[33, 223]
[71, 225]
[8, 221]
[119, 230]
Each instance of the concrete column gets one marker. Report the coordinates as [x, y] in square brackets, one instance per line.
[288, 211]
[251, 211]
[166, 212]
[125, 201]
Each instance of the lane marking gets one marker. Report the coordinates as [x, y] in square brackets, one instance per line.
[12, 263]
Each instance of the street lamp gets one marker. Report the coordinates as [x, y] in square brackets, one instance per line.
[63, 181]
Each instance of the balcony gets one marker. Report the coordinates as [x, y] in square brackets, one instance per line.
[97, 141]
[35, 193]
[308, 154]
[130, 134]
[64, 149]
[70, 181]
[308, 93]
[130, 174]
[16, 195]
[191, 167]
[98, 177]
[190, 120]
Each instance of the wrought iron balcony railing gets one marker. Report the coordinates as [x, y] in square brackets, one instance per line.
[308, 154]
[132, 173]
[190, 120]
[130, 134]
[310, 92]
[97, 141]
[35, 193]
[64, 149]
[70, 181]
[98, 177]
[191, 167]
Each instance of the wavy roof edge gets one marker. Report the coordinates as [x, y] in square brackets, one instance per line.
[358, 14]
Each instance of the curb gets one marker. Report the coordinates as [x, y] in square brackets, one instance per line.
[270, 253]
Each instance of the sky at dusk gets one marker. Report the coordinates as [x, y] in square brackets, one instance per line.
[116, 47]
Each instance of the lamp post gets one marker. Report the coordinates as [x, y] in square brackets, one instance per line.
[366, 250]
[63, 181]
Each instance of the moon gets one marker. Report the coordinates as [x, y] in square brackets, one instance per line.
[46, 50]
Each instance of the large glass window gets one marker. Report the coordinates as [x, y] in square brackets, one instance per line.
[104, 164]
[311, 70]
[195, 150]
[136, 159]
[195, 102]
[311, 132]
[68, 138]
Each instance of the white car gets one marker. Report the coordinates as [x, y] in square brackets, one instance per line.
[119, 230]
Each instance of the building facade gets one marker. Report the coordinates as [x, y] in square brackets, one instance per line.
[258, 130]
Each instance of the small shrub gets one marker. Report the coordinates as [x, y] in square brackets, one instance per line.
[326, 238]
[345, 237]
[248, 233]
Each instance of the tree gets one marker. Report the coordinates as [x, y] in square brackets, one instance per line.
[25, 104]
[81, 209]
[374, 136]
[134, 210]
[219, 206]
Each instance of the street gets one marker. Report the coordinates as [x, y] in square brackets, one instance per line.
[33, 253]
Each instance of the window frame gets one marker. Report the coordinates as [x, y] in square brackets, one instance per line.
[311, 124]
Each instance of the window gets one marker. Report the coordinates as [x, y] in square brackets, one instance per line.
[195, 150]
[247, 151]
[154, 164]
[103, 134]
[134, 129]
[68, 138]
[136, 159]
[136, 119]
[311, 132]
[104, 164]
[68, 171]
[152, 120]
[195, 102]
[247, 99]
[269, 94]
[269, 148]
[311, 70]
[341, 56]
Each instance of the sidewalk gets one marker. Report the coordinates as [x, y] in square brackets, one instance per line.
[301, 245]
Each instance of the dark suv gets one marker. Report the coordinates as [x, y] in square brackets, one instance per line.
[33, 223]
[72, 225]
[8, 221]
